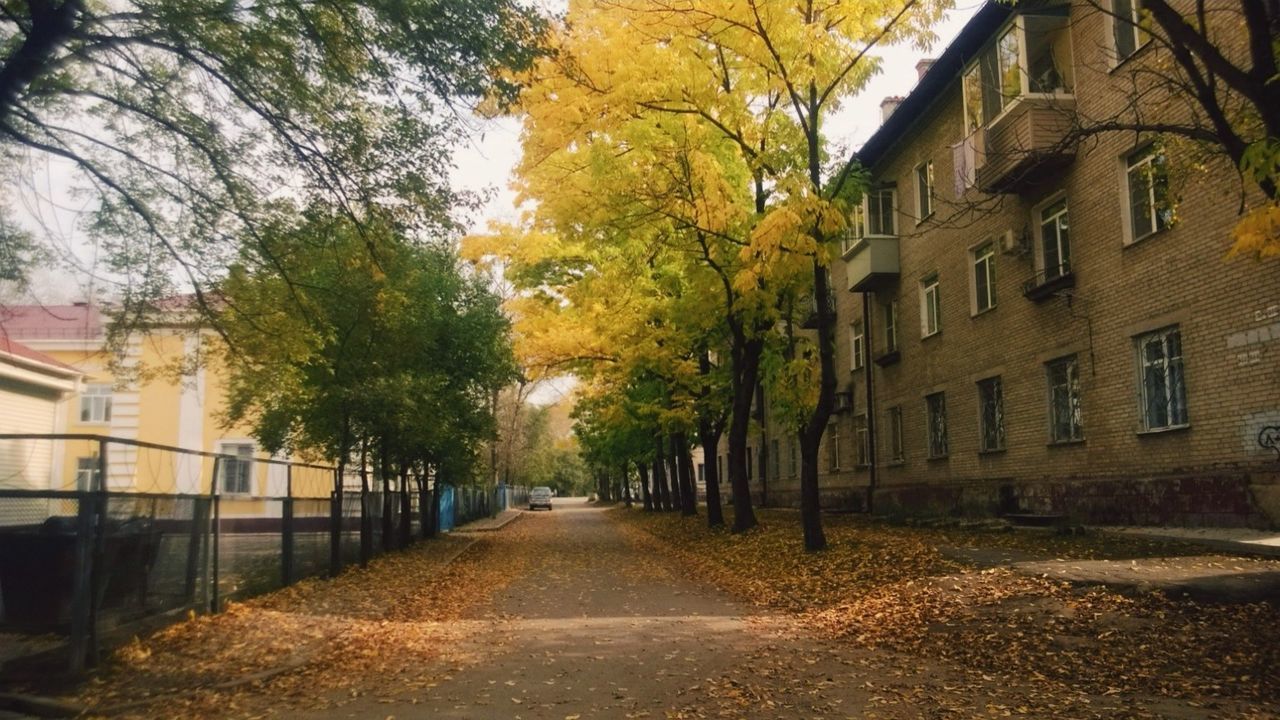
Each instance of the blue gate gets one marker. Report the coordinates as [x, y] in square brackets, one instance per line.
[446, 508]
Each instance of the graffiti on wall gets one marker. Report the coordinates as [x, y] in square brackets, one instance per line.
[1269, 438]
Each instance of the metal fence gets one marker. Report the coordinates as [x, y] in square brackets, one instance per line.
[101, 534]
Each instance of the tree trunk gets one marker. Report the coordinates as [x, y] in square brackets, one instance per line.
[673, 473]
[710, 439]
[424, 505]
[811, 434]
[645, 495]
[662, 493]
[406, 508]
[435, 503]
[688, 497]
[626, 486]
[746, 375]
[388, 500]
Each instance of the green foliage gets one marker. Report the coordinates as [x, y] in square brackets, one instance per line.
[340, 331]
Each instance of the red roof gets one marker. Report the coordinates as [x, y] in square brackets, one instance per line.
[51, 322]
[15, 349]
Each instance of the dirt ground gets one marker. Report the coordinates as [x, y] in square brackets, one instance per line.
[572, 614]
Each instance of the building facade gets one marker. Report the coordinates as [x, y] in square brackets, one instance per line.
[1050, 327]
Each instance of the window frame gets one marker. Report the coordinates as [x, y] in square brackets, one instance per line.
[995, 382]
[986, 67]
[1074, 397]
[857, 346]
[1158, 202]
[925, 189]
[930, 298]
[1169, 364]
[833, 446]
[897, 445]
[794, 462]
[233, 448]
[982, 254]
[96, 399]
[890, 314]
[1062, 222]
[775, 461]
[1133, 25]
[861, 442]
[88, 471]
[935, 425]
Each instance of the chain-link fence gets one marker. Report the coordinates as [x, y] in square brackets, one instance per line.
[100, 535]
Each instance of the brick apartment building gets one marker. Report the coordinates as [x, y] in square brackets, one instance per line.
[1055, 332]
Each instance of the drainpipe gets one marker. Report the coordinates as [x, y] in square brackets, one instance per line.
[871, 408]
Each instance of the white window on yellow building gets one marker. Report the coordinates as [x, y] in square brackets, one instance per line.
[95, 404]
[235, 473]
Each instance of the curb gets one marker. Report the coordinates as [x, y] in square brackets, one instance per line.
[517, 514]
[1235, 547]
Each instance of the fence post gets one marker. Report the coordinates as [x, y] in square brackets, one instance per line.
[215, 601]
[82, 580]
[286, 522]
[199, 524]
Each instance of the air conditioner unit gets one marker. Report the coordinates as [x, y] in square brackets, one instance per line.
[844, 402]
[1011, 243]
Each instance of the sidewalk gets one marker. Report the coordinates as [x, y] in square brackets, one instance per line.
[1235, 540]
[489, 524]
[1211, 578]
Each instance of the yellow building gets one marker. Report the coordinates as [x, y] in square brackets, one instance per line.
[140, 404]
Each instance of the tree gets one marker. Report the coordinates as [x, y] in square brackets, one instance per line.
[355, 341]
[189, 123]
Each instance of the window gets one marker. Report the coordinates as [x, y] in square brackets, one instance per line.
[1065, 422]
[930, 307]
[1164, 396]
[1126, 30]
[236, 472]
[924, 189]
[794, 466]
[874, 217]
[896, 446]
[1055, 240]
[990, 415]
[1150, 211]
[833, 446]
[984, 278]
[998, 77]
[88, 471]
[857, 345]
[936, 414]
[891, 326]
[777, 460]
[702, 473]
[862, 442]
[95, 404]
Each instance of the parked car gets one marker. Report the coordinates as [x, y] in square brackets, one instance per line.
[540, 497]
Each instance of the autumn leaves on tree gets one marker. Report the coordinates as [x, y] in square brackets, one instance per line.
[685, 199]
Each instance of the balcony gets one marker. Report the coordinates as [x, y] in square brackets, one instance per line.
[1026, 143]
[871, 263]
[1048, 282]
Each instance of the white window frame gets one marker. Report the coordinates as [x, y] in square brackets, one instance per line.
[930, 298]
[897, 447]
[95, 404]
[857, 346]
[1018, 28]
[1144, 156]
[983, 385]
[982, 263]
[891, 326]
[1173, 370]
[925, 190]
[860, 218]
[1074, 397]
[88, 469]
[792, 443]
[1040, 219]
[1133, 25]
[236, 448]
[936, 416]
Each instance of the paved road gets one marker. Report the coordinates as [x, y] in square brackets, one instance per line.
[594, 629]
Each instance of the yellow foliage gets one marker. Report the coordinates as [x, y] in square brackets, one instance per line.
[1257, 235]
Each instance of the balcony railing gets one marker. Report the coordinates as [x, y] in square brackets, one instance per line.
[1045, 283]
[1026, 143]
[872, 263]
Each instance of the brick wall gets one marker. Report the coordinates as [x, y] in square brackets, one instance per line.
[1227, 311]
